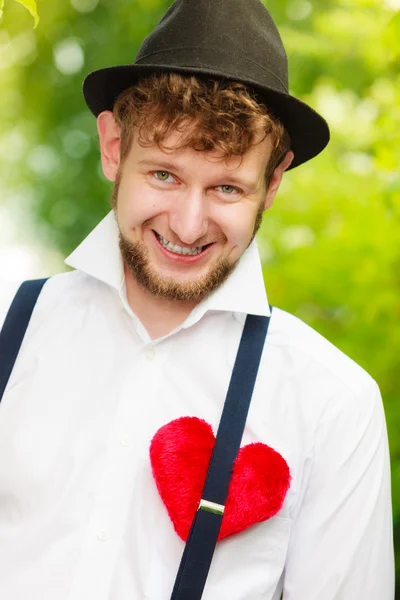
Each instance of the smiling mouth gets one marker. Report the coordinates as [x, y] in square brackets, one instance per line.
[191, 251]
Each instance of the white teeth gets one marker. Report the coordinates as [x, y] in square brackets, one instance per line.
[178, 249]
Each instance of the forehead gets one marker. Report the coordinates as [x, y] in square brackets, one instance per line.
[170, 155]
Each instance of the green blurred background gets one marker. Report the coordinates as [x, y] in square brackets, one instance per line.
[330, 244]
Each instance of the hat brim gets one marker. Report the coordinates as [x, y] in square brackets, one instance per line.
[308, 131]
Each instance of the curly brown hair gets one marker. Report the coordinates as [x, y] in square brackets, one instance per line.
[224, 116]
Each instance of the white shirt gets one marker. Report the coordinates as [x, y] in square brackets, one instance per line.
[80, 515]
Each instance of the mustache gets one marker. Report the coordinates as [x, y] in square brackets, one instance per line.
[174, 238]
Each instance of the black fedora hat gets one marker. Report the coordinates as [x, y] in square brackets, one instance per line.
[233, 40]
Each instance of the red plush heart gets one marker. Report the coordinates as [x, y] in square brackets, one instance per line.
[180, 452]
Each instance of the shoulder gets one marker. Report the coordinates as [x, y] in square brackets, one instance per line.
[55, 286]
[314, 357]
[8, 289]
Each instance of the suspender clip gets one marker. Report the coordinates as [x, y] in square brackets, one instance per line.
[213, 507]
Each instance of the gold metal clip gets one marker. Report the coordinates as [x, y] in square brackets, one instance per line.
[213, 507]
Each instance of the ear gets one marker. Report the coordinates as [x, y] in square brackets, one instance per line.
[276, 179]
[109, 135]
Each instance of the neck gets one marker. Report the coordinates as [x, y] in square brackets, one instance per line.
[158, 315]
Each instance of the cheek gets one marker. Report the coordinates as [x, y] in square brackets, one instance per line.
[137, 202]
[238, 226]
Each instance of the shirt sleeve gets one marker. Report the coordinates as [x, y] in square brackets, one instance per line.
[341, 545]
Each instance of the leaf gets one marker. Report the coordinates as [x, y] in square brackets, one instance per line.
[31, 6]
[1, 8]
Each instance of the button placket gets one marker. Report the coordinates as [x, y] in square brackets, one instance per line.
[102, 535]
[150, 352]
[125, 441]
[125, 455]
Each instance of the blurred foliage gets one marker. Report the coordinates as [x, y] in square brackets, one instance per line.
[330, 244]
[29, 4]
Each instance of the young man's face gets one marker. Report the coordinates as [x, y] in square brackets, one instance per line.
[186, 217]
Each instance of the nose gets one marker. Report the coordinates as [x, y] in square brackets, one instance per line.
[188, 216]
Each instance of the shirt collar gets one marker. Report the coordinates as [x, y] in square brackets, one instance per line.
[243, 292]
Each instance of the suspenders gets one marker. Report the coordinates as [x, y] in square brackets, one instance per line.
[15, 326]
[199, 549]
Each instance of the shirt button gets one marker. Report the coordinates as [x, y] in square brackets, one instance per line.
[150, 353]
[125, 441]
[102, 535]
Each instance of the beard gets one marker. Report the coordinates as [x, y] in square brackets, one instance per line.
[136, 258]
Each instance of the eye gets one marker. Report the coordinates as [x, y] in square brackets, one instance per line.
[162, 175]
[229, 189]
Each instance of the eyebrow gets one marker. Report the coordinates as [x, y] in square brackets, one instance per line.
[169, 166]
[160, 163]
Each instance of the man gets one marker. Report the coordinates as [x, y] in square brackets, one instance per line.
[196, 136]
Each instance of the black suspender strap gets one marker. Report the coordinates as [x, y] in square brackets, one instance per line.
[199, 549]
[15, 326]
